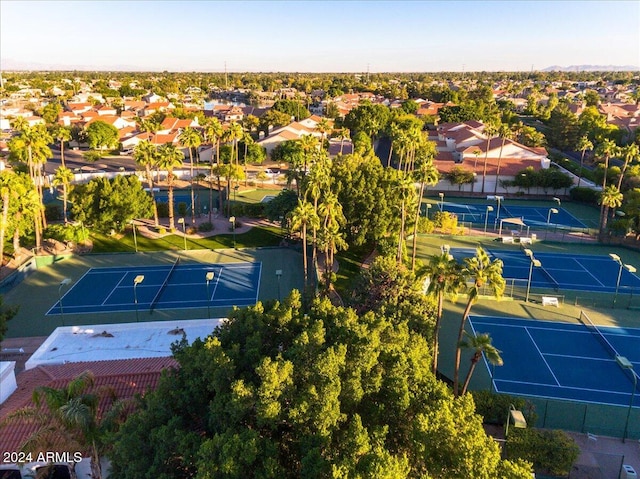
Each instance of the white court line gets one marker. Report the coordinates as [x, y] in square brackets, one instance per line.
[569, 388]
[542, 356]
[585, 269]
[609, 360]
[215, 286]
[259, 278]
[114, 289]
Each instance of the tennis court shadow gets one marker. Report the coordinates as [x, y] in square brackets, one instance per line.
[541, 311]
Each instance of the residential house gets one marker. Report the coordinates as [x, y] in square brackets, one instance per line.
[79, 108]
[106, 110]
[152, 98]
[465, 145]
[176, 124]
[292, 131]
[624, 115]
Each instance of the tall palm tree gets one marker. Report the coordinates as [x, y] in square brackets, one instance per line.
[331, 240]
[483, 273]
[146, 154]
[309, 145]
[302, 217]
[489, 130]
[505, 132]
[7, 192]
[584, 144]
[316, 183]
[480, 344]
[611, 198]
[426, 174]
[70, 419]
[63, 177]
[323, 127]
[191, 139]
[445, 275]
[62, 134]
[407, 196]
[213, 133]
[631, 154]
[343, 134]
[605, 150]
[233, 134]
[169, 157]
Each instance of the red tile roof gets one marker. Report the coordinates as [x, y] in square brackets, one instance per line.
[126, 377]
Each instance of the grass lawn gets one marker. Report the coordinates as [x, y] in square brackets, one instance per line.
[255, 237]
[349, 261]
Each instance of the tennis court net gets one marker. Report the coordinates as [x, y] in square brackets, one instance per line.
[163, 286]
[586, 321]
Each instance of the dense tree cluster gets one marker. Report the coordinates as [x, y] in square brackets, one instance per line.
[281, 391]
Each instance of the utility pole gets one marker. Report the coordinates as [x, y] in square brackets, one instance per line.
[367, 73]
[226, 81]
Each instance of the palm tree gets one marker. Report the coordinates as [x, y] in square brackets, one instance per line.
[483, 273]
[605, 150]
[479, 343]
[70, 419]
[611, 197]
[233, 134]
[169, 157]
[331, 240]
[427, 174]
[630, 153]
[446, 277]
[302, 217]
[62, 134]
[489, 131]
[146, 155]
[323, 127]
[7, 191]
[407, 196]
[191, 139]
[343, 134]
[583, 145]
[213, 133]
[316, 182]
[505, 132]
[63, 177]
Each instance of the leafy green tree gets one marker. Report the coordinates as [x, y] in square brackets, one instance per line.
[631, 154]
[293, 108]
[482, 273]
[102, 135]
[280, 391]
[51, 111]
[8, 192]
[110, 204]
[6, 313]
[367, 118]
[273, 118]
[459, 176]
[563, 128]
[552, 452]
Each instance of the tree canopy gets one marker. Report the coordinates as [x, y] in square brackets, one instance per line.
[282, 392]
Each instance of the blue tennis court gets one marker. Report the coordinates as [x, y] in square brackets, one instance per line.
[532, 216]
[173, 286]
[562, 271]
[562, 361]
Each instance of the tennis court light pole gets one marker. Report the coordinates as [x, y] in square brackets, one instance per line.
[630, 269]
[135, 239]
[533, 262]
[279, 275]
[517, 417]
[426, 211]
[441, 195]
[624, 363]
[184, 232]
[208, 277]
[486, 217]
[136, 281]
[64, 282]
[232, 220]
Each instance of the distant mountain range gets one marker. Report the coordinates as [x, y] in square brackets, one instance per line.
[592, 68]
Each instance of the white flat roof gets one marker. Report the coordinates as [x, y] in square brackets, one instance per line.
[100, 342]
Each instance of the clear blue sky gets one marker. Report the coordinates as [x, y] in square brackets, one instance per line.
[341, 36]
